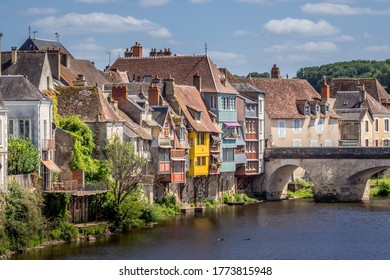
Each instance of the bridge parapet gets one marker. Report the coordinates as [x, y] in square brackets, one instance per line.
[328, 153]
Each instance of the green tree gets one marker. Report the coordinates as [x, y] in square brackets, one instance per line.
[127, 170]
[23, 157]
[259, 75]
[23, 222]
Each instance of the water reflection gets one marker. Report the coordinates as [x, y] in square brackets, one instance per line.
[295, 229]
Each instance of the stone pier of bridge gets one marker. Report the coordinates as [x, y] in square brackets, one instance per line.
[341, 174]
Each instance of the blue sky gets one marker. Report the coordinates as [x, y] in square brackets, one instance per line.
[241, 35]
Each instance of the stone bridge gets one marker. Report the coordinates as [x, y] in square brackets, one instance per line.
[340, 174]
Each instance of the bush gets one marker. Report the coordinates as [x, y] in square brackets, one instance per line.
[384, 187]
[23, 221]
[23, 157]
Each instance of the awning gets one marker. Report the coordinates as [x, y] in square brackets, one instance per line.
[51, 165]
[216, 158]
[232, 124]
[178, 159]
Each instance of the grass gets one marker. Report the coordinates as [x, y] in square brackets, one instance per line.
[305, 192]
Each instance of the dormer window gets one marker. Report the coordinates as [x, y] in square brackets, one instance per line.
[327, 109]
[197, 116]
[318, 108]
[307, 109]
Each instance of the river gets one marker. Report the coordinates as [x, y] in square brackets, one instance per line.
[283, 230]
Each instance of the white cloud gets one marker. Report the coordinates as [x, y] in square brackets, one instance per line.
[100, 23]
[306, 47]
[199, 1]
[343, 38]
[95, 1]
[300, 27]
[253, 1]
[41, 11]
[152, 3]
[227, 58]
[241, 32]
[378, 48]
[340, 10]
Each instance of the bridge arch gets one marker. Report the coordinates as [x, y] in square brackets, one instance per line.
[337, 172]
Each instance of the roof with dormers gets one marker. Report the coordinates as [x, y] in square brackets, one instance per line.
[181, 67]
[371, 85]
[189, 99]
[284, 98]
[33, 44]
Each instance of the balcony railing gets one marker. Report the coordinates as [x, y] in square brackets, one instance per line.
[178, 154]
[73, 186]
[48, 145]
[164, 141]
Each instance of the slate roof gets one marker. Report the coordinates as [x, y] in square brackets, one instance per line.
[133, 129]
[181, 68]
[352, 100]
[160, 114]
[32, 44]
[352, 115]
[93, 76]
[2, 105]
[189, 98]
[28, 64]
[18, 88]
[371, 85]
[86, 102]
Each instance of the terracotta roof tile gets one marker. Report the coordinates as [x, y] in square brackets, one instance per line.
[182, 68]
[189, 98]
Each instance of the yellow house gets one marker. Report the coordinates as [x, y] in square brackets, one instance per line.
[199, 155]
[187, 101]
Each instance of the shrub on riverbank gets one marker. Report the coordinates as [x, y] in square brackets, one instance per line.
[24, 225]
[305, 192]
[383, 188]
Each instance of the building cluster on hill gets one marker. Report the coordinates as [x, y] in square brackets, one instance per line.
[202, 129]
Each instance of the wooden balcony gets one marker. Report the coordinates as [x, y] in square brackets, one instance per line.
[178, 177]
[215, 149]
[251, 155]
[251, 136]
[178, 154]
[164, 167]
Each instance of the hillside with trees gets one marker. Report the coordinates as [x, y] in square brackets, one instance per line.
[351, 69]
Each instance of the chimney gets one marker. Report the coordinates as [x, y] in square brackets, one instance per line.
[275, 72]
[197, 81]
[362, 94]
[120, 93]
[154, 94]
[137, 50]
[325, 91]
[14, 55]
[169, 84]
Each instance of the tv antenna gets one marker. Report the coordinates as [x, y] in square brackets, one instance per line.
[205, 49]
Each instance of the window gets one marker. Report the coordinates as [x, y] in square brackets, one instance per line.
[313, 143]
[318, 108]
[366, 142]
[24, 128]
[297, 143]
[182, 133]
[376, 123]
[213, 102]
[200, 138]
[164, 155]
[232, 103]
[297, 126]
[197, 116]
[327, 109]
[260, 107]
[366, 126]
[228, 155]
[201, 161]
[11, 128]
[386, 125]
[307, 110]
[282, 128]
[328, 143]
[224, 103]
[260, 126]
[320, 126]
